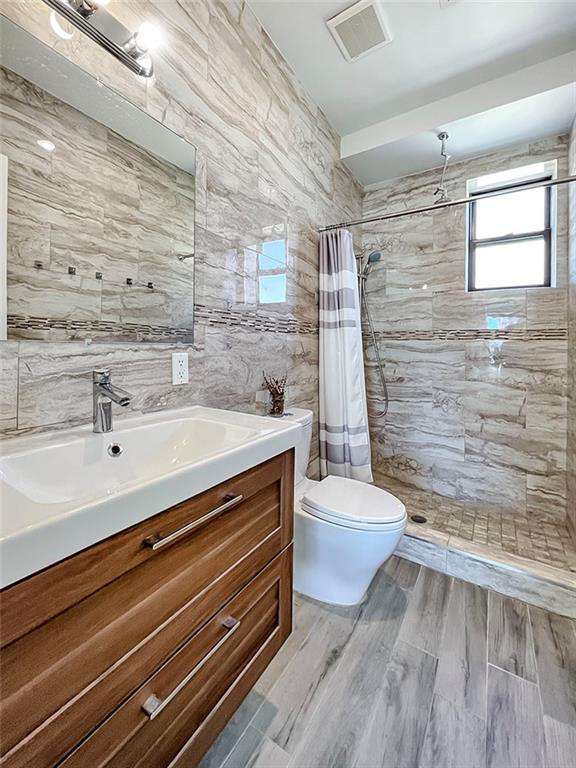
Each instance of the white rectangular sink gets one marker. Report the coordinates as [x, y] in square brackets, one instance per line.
[64, 491]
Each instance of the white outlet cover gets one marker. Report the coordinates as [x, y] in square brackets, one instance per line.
[180, 373]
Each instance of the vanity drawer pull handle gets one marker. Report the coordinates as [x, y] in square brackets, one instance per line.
[153, 705]
[155, 542]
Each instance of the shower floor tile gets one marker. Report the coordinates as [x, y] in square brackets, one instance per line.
[545, 542]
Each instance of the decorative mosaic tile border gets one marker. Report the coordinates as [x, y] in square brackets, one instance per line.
[253, 319]
[256, 321]
[504, 334]
[41, 327]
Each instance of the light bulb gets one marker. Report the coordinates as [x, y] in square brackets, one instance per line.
[148, 37]
[56, 24]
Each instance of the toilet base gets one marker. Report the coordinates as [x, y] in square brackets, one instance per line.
[336, 565]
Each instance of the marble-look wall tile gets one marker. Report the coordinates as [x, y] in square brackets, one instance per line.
[546, 307]
[267, 166]
[55, 380]
[396, 312]
[483, 309]
[536, 366]
[476, 419]
[546, 497]
[531, 451]
[423, 362]
[571, 408]
[494, 404]
[503, 487]
[8, 385]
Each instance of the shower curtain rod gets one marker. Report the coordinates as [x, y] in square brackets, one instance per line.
[449, 203]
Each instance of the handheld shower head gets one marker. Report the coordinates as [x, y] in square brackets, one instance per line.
[372, 259]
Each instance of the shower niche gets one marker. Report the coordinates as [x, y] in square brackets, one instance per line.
[97, 206]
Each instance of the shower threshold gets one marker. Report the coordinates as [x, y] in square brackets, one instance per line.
[531, 560]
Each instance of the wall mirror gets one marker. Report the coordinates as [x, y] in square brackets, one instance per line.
[96, 206]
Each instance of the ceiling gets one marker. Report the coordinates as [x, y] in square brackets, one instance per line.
[545, 114]
[440, 57]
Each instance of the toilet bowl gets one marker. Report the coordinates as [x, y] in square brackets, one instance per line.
[343, 529]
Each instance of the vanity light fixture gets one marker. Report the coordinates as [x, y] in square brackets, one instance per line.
[92, 18]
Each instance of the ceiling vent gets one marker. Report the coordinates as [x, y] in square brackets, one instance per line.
[360, 29]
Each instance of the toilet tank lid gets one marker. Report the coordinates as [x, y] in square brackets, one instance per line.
[301, 415]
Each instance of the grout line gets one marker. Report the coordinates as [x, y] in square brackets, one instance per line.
[512, 674]
[19, 355]
[487, 638]
[465, 710]
[250, 723]
[417, 648]
[539, 684]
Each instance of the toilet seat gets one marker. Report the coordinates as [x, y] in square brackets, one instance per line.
[353, 504]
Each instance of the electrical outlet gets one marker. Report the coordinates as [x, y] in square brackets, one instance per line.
[180, 368]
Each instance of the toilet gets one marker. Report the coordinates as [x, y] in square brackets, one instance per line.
[343, 529]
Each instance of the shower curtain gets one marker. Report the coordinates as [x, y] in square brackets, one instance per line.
[344, 435]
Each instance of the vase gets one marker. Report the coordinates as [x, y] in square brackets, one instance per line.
[277, 404]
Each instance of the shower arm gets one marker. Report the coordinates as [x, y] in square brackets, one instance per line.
[449, 203]
[441, 189]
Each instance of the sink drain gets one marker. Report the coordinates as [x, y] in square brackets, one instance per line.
[418, 519]
[115, 449]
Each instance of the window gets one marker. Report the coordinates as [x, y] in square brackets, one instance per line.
[272, 272]
[511, 236]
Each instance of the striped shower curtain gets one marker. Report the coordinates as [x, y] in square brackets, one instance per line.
[344, 435]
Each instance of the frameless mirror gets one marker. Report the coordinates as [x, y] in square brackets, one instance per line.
[96, 206]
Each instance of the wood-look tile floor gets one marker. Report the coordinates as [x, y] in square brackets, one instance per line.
[429, 672]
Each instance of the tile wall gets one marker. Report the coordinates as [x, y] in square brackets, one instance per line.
[571, 457]
[477, 381]
[268, 164]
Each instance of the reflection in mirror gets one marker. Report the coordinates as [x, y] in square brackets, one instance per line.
[100, 206]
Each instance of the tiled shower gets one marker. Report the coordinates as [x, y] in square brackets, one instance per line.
[476, 438]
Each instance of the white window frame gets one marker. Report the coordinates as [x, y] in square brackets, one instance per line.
[499, 180]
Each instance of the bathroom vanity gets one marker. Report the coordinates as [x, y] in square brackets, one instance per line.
[137, 649]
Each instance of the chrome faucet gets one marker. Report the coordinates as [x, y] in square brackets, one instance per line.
[103, 395]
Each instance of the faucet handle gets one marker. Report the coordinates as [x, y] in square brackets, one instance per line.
[101, 376]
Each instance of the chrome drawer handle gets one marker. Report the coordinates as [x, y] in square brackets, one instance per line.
[153, 705]
[155, 542]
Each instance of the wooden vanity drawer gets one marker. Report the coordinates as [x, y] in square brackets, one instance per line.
[37, 599]
[83, 662]
[186, 689]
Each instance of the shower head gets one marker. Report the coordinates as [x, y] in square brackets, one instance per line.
[372, 259]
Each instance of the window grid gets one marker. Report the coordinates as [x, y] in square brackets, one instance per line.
[544, 234]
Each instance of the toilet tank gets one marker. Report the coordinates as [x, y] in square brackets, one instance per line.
[304, 418]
